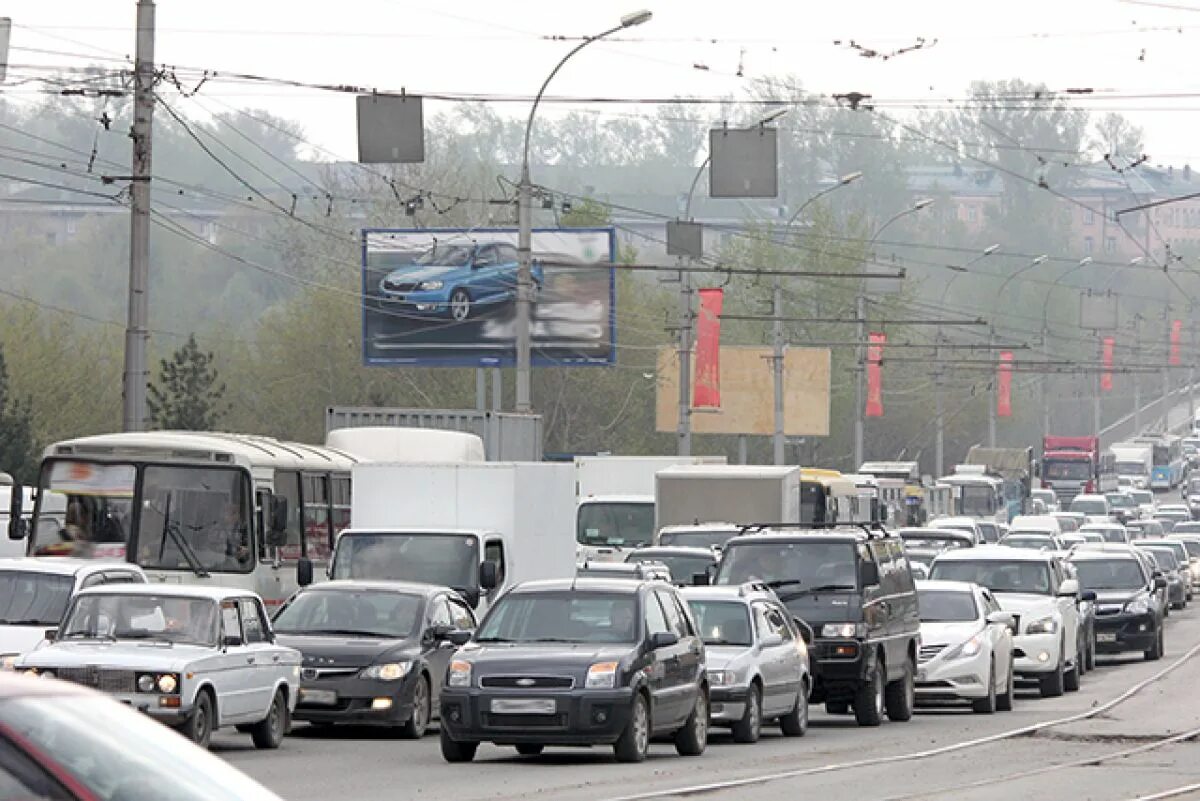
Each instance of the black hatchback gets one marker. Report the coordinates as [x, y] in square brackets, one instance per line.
[585, 662]
[374, 652]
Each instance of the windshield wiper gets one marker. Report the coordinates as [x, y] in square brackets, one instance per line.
[831, 587]
[493, 639]
[27, 622]
[184, 548]
[550, 639]
[784, 583]
[340, 632]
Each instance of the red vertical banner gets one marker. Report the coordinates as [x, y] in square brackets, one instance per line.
[1004, 385]
[706, 390]
[1176, 336]
[1106, 359]
[875, 374]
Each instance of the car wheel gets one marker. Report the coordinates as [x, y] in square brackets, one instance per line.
[1091, 652]
[1051, 685]
[748, 729]
[199, 725]
[901, 695]
[1005, 702]
[987, 704]
[1155, 651]
[693, 737]
[1071, 677]
[460, 305]
[869, 698]
[530, 749]
[414, 728]
[268, 732]
[795, 723]
[634, 742]
[454, 751]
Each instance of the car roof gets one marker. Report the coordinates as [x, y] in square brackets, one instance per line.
[170, 591]
[1102, 527]
[586, 584]
[676, 528]
[1089, 555]
[673, 550]
[63, 566]
[405, 587]
[947, 533]
[943, 584]
[848, 534]
[995, 553]
[958, 520]
[729, 592]
[1089, 497]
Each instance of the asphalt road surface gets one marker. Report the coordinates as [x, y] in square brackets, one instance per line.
[1137, 748]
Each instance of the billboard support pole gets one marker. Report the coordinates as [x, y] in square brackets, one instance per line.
[993, 396]
[777, 370]
[497, 389]
[480, 390]
[685, 363]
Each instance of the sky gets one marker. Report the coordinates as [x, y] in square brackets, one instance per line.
[1138, 56]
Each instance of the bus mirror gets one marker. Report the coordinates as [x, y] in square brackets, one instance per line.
[304, 572]
[17, 527]
[277, 531]
[488, 577]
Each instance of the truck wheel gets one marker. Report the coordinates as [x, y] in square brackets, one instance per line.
[454, 751]
[901, 695]
[268, 732]
[869, 698]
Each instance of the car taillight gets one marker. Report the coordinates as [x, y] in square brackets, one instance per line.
[1045, 484]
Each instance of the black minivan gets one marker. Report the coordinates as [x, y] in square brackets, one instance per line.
[852, 585]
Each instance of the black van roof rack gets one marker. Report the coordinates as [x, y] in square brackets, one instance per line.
[872, 529]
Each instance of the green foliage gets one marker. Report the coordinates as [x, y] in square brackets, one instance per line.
[18, 454]
[187, 396]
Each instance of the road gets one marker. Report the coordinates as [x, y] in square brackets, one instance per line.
[837, 760]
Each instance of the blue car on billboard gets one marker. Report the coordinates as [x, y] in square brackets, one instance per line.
[457, 281]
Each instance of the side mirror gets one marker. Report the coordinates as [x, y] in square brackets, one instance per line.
[1160, 583]
[304, 572]
[439, 633]
[17, 527]
[50, 634]
[869, 574]
[1069, 589]
[459, 637]
[663, 639]
[701, 580]
[231, 641]
[772, 641]
[489, 576]
[1088, 595]
[806, 632]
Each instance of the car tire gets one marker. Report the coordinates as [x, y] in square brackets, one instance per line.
[268, 733]
[1071, 677]
[634, 742]
[1091, 652]
[414, 728]
[693, 737]
[987, 704]
[454, 751]
[1051, 685]
[1004, 702]
[530, 749]
[795, 723]
[199, 725]
[900, 697]
[460, 305]
[1155, 652]
[749, 728]
[869, 698]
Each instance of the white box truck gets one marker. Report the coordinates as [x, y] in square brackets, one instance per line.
[393, 444]
[732, 494]
[478, 528]
[616, 501]
[1135, 463]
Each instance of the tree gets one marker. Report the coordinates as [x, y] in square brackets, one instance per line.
[187, 396]
[18, 456]
[1115, 135]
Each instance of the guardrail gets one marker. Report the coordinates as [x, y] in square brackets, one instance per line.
[1177, 416]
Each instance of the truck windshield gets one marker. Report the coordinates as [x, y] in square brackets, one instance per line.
[33, 599]
[142, 617]
[797, 565]
[567, 616]
[998, 576]
[98, 502]
[1132, 469]
[450, 560]
[697, 539]
[977, 501]
[618, 523]
[1068, 469]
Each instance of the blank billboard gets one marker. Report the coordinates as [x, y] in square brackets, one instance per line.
[747, 394]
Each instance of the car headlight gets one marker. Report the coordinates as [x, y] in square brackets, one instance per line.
[427, 285]
[9, 661]
[721, 678]
[1139, 605]
[967, 649]
[167, 683]
[459, 674]
[1046, 625]
[843, 630]
[388, 671]
[602, 676]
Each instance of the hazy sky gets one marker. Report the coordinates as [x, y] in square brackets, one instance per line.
[490, 47]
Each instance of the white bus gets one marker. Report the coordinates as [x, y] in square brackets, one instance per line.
[231, 510]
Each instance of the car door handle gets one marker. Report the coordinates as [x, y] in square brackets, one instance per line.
[249, 660]
[275, 658]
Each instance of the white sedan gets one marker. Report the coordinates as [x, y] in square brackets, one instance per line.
[195, 658]
[966, 647]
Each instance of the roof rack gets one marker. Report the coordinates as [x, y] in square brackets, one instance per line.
[872, 529]
[748, 587]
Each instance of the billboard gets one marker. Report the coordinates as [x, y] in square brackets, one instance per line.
[447, 297]
[747, 400]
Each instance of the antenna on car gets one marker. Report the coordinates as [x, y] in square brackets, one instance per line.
[872, 529]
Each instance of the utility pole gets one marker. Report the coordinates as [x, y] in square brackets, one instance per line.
[136, 334]
[1096, 387]
[939, 413]
[860, 394]
[684, 426]
[777, 439]
[1191, 362]
[1137, 376]
[1165, 403]
[1045, 384]
[993, 394]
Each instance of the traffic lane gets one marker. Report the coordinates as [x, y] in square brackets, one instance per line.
[368, 763]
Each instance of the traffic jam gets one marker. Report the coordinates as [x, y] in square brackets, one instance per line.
[394, 578]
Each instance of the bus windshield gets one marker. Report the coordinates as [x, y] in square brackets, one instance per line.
[98, 499]
[977, 501]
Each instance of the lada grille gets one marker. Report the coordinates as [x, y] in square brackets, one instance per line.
[103, 679]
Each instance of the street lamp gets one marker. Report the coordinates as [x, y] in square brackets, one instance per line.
[525, 223]
[1039, 260]
[860, 311]
[1084, 262]
[845, 180]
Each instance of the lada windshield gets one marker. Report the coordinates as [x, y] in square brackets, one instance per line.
[166, 618]
[533, 617]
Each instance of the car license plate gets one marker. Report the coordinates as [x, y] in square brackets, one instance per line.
[323, 697]
[523, 706]
[1106, 636]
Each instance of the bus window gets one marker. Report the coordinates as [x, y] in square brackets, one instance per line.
[341, 504]
[317, 534]
[287, 485]
[195, 518]
[93, 504]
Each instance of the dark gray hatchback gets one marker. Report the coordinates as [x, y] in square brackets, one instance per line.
[579, 663]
